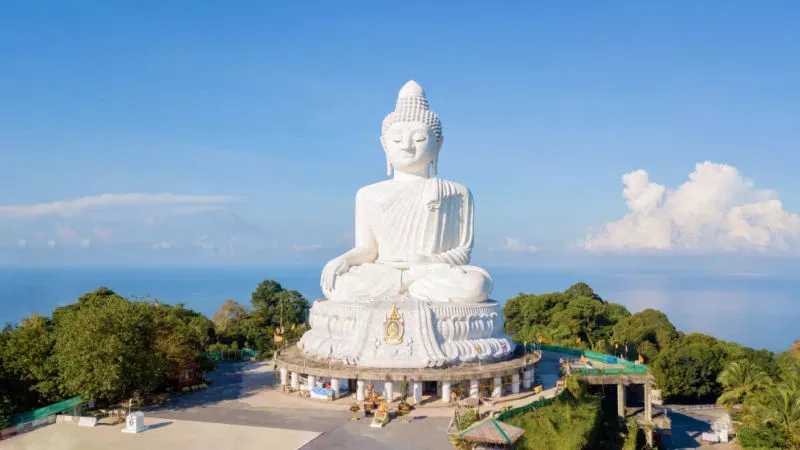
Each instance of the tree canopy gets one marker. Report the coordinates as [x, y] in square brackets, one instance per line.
[575, 317]
[108, 348]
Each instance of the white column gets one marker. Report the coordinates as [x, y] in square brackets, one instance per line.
[388, 391]
[284, 376]
[417, 392]
[526, 379]
[498, 387]
[312, 381]
[474, 388]
[335, 387]
[515, 383]
[295, 381]
[446, 391]
[360, 394]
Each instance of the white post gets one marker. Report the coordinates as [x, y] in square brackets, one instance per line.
[446, 391]
[295, 381]
[284, 377]
[474, 388]
[360, 394]
[388, 391]
[335, 387]
[312, 381]
[498, 387]
[417, 392]
[515, 383]
[526, 379]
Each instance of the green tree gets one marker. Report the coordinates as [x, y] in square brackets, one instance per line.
[776, 411]
[514, 317]
[581, 289]
[103, 350]
[273, 307]
[688, 369]
[26, 356]
[229, 316]
[648, 326]
[740, 379]
[583, 316]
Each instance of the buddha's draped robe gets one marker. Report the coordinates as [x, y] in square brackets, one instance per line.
[430, 217]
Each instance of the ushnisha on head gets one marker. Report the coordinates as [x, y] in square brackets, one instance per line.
[412, 134]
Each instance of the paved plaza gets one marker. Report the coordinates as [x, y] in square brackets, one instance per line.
[242, 410]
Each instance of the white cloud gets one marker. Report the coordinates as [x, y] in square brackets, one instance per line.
[51, 243]
[22, 243]
[103, 234]
[715, 210]
[163, 245]
[86, 242]
[514, 244]
[74, 206]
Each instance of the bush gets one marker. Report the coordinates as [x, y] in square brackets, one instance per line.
[762, 437]
[567, 423]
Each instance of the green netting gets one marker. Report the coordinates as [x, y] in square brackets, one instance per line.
[228, 355]
[529, 407]
[600, 357]
[41, 413]
[249, 353]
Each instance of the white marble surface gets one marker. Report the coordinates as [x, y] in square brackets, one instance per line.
[413, 240]
[434, 334]
[413, 232]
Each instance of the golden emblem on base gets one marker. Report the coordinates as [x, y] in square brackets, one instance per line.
[393, 327]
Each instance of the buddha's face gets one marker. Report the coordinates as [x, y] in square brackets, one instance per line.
[410, 146]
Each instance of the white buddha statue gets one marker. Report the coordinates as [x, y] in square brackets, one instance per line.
[413, 232]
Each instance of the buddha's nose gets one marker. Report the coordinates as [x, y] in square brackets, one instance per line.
[409, 144]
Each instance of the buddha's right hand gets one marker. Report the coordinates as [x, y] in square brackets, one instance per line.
[331, 271]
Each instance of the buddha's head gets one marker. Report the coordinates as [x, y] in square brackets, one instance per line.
[412, 134]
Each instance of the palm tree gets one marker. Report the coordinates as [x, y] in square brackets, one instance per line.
[740, 379]
[779, 407]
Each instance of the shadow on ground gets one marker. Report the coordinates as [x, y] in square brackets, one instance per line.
[218, 404]
[686, 432]
[158, 425]
[227, 385]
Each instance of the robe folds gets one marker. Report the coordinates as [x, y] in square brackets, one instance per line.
[423, 231]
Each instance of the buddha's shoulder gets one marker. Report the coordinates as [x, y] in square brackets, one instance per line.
[381, 188]
[457, 187]
[372, 190]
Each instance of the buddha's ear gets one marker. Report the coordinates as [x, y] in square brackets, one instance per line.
[389, 168]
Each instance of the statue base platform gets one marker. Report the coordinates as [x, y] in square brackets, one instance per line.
[404, 332]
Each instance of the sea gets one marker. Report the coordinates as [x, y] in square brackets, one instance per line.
[754, 310]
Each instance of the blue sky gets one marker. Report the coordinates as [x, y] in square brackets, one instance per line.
[245, 130]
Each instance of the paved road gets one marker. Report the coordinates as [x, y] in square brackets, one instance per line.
[688, 427]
